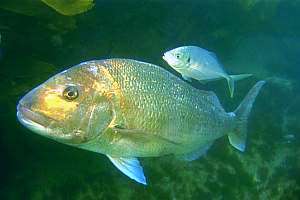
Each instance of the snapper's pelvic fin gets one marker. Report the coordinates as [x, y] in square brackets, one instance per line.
[232, 78]
[130, 167]
[238, 136]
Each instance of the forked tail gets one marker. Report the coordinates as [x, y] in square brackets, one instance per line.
[237, 137]
[232, 78]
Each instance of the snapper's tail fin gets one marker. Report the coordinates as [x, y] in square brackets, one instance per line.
[232, 78]
[237, 137]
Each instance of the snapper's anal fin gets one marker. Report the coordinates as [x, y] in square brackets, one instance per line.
[232, 78]
[237, 137]
[130, 167]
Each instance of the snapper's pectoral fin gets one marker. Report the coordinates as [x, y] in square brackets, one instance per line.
[138, 138]
[187, 78]
[194, 155]
[130, 167]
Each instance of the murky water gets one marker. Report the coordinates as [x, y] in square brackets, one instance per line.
[41, 38]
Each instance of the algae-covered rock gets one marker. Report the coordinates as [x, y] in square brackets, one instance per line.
[70, 7]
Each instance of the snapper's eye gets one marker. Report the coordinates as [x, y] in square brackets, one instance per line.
[177, 56]
[70, 93]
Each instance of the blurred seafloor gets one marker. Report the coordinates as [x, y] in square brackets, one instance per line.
[41, 37]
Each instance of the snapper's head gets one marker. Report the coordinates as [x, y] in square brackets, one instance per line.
[72, 107]
[179, 58]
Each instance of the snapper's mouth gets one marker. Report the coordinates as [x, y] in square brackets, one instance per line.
[31, 119]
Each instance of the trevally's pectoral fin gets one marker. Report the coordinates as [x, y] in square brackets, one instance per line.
[202, 81]
[186, 78]
[194, 155]
[240, 76]
[205, 81]
[130, 167]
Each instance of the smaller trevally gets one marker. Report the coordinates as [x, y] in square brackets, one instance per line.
[200, 64]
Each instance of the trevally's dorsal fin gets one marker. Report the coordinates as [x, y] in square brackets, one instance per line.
[213, 55]
[194, 155]
[130, 167]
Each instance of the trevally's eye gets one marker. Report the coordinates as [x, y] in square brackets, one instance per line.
[70, 93]
[177, 55]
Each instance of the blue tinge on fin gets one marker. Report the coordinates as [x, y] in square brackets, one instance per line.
[194, 155]
[130, 167]
[238, 141]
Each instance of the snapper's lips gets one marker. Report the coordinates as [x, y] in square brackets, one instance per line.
[29, 118]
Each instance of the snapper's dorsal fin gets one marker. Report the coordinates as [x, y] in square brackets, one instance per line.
[212, 98]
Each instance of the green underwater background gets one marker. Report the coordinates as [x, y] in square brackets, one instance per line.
[40, 38]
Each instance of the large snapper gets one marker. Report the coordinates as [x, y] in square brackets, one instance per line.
[127, 109]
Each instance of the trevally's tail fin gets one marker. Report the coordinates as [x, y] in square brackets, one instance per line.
[237, 137]
[232, 78]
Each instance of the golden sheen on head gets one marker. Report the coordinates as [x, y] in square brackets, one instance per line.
[56, 103]
[70, 102]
